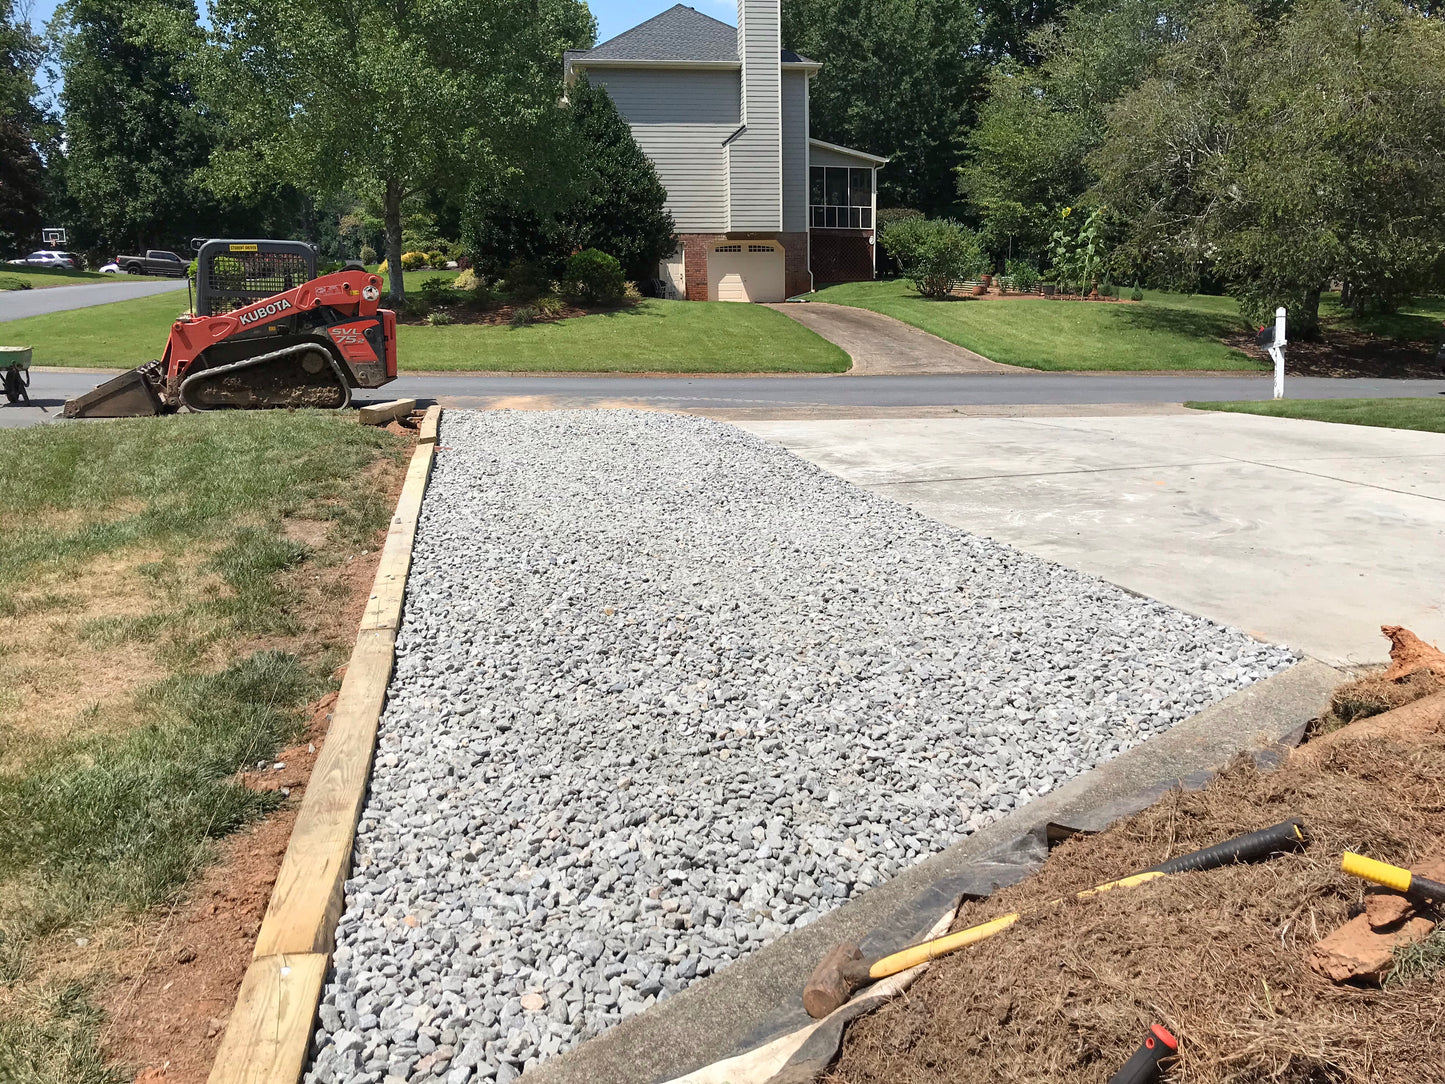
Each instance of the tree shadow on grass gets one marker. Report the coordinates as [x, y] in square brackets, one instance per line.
[1186, 323]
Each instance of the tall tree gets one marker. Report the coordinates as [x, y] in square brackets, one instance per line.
[135, 132]
[22, 188]
[617, 206]
[1027, 156]
[1291, 153]
[393, 100]
[900, 78]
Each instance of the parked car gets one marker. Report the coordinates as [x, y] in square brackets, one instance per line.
[156, 261]
[111, 268]
[50, 257]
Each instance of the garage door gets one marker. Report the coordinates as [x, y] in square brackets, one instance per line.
[746, 271]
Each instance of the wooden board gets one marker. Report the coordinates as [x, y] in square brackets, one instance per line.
[270, 1028]
[381, 413]
[427, 433]
[307, 899]
[388, 590]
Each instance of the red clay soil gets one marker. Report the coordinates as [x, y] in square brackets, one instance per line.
[172, 995]
[168, 1008]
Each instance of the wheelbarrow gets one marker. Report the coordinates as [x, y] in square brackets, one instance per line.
[15, 372]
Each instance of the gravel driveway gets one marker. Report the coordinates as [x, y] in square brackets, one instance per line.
[663, 692]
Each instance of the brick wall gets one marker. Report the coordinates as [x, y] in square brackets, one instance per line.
[695, 247]
[795, 263]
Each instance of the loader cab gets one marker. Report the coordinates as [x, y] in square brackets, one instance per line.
[233, 274]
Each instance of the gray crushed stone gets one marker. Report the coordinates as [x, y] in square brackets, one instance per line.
[664, 692]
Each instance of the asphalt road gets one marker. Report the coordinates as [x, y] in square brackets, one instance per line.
[794, 394]
[17, 303]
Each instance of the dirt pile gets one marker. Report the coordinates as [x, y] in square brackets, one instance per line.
[1221, 958]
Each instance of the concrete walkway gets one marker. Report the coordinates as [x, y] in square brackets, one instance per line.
[882, 346]
[1299, 532]
[15, 304]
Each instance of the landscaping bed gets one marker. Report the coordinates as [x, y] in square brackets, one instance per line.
[1220, 958]
[175, 596]
[645, 719]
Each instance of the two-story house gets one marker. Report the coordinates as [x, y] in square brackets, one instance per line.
[762, 211]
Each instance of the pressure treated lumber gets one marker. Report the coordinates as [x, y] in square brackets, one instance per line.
[427, 433]
[266, 1038]
[381, 413]
[383, 608]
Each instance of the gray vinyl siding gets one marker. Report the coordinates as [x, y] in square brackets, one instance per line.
[691, 162]
[795, 152]
[673, 97]
[755, 164]
[822, 156]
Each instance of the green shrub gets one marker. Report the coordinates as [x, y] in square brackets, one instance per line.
[413, 261]
[1137, 294]
[439, 319]
[436, 290]
[523, 315]
[368, 255]
[934, 253]
[466, 280]
[11, 282]
[525, 280]
[550, 306]
[1106, 288]
[437, 258]
[1023, 275]
[593, 278]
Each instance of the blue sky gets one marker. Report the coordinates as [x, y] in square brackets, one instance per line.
[613, 16]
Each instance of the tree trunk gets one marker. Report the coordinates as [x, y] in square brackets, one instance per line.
[391, 220]
[1305, 324]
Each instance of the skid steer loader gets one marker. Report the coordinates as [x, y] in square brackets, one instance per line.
[265, 332]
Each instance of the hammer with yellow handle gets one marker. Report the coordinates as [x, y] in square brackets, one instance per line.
[844, 970]
[1413, 887]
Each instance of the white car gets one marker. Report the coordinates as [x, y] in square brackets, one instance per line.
[50, 257]
[111, 268]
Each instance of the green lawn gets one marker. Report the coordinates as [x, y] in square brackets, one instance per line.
[1166, 331]
[38, 278]
[117, 336]
[162, 626]
[656, 336]
[1424, 414]
[1416, 321]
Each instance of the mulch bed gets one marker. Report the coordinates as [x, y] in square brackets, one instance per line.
[466, 313]
[1345, 352]
[1219, 957]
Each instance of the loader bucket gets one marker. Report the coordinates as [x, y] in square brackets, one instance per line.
[129, 395]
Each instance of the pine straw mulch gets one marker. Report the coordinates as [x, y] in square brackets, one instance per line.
[1217, 957]
[466, 312]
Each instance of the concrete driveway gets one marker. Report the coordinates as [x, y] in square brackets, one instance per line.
[882, 346]
[1304, 533]
[17, 303]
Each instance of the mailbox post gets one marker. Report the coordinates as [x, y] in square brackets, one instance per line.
[1273, 340]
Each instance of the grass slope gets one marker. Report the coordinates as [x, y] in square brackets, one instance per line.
[1427, 415]
[653, 337]
[1166, 331]
[161, 627]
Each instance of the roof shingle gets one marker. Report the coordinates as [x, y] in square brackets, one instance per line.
[681, 34]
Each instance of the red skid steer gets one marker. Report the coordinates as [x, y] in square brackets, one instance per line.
[266, 332]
